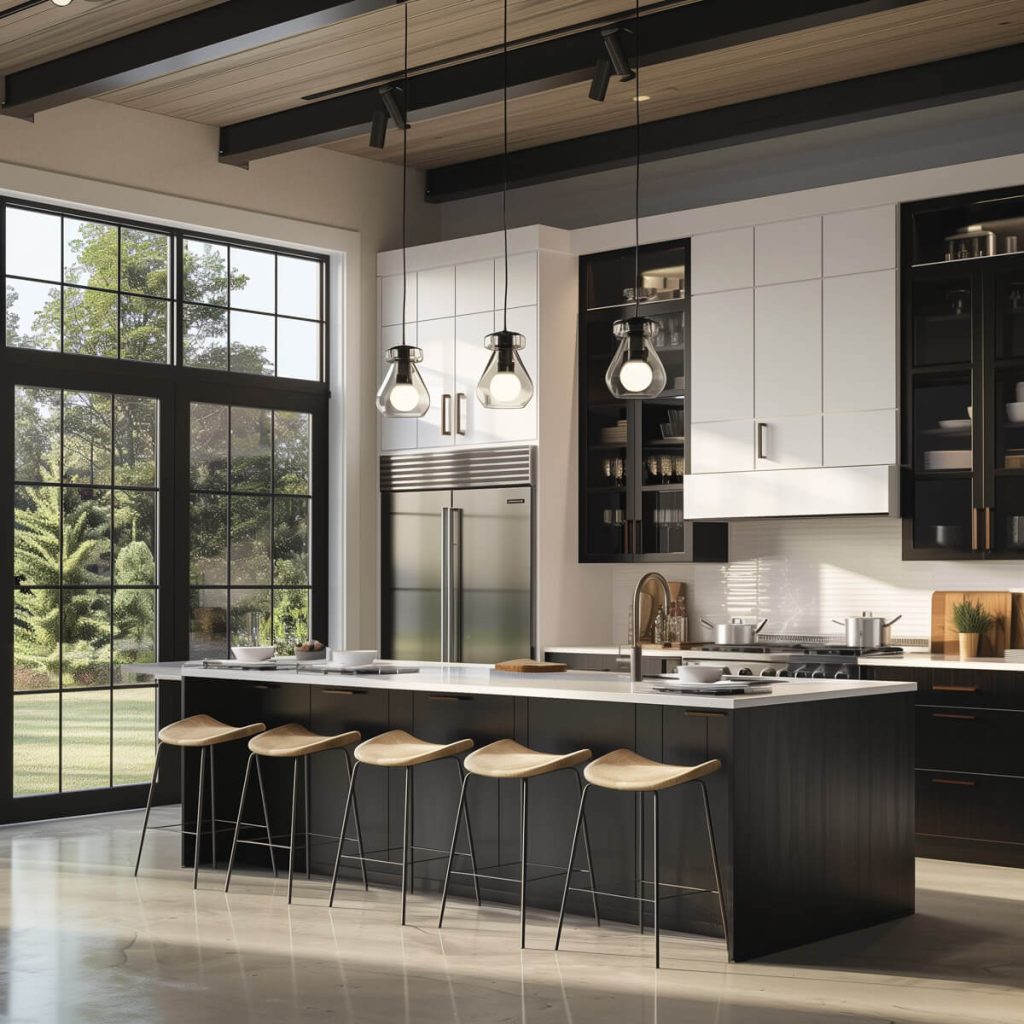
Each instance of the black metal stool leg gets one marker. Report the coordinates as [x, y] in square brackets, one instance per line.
[640, 866]
[305, 808]
[199, 820]
[469, 836]
[714, 861]
[657, 887]
[451, 852]
[572, 859]
[344, 826]
[213, 814]
[355, 818]
[523, 815]
[291, 840]
[149, 805]
[406, 829]
[589, 859]
[238, 821]
[266, 813]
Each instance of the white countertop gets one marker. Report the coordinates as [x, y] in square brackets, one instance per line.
[482, 679]
[925, 660]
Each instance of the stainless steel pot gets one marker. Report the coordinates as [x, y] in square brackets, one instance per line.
[735, 632]
[867, 630]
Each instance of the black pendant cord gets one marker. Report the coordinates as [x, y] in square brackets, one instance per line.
[405, 158]
[504, 157]
[636, 184]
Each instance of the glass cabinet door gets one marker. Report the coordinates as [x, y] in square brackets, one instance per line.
[942, 331]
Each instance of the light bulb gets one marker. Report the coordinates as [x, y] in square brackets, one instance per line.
[403, 397]
[505, 387]
[636, 374]
[61, 3]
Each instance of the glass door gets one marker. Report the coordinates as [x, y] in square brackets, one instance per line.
[84, 520]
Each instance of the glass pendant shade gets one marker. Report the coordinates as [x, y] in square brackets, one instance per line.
[403, 393]
[504, 384]
[636, 371]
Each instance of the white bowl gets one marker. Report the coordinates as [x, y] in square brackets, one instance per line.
[352, 659]
[1015, 412]
[953, 459]
[700, 673]
[253, 653]
[1020, 391]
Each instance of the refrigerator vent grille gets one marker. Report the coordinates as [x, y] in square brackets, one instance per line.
[481, 467]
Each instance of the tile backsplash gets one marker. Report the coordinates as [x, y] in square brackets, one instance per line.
[802, 573]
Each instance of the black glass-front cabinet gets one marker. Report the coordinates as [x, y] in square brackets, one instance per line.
[633, 451]
[963, 371]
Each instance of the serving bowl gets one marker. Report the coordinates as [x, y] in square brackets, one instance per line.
[253, 653]
[700, 673]
[352, 659]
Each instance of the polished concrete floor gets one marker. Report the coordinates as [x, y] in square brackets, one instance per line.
[84, 941]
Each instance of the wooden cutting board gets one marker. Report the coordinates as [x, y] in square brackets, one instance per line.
[998, 603]
[529, 665]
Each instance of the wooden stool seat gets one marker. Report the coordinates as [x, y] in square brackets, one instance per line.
[294, 740]
[205, 731]
[399, 749]
[506, 759]
[628, 771]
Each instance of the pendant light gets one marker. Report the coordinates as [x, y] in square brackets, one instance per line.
[403, 393]
[505, 384]
[636, 370]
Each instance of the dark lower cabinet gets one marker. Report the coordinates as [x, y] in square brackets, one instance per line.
[969, 778]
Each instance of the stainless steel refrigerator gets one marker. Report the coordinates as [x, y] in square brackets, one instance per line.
[457, 555]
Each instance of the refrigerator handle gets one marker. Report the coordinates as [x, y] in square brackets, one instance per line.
[456, 582]
[446, 583]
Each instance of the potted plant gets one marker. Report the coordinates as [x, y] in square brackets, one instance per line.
[970, 620]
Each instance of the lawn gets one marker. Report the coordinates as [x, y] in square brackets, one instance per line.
[89, 760]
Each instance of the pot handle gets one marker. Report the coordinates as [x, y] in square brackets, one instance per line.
[704, 622]
[760, 626]
[891, 621]
[838, 623]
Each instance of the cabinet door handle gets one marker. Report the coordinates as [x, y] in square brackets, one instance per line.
[974, 528]
[762, 440]
[962, 718]
[446, 698]
[954, 782]
[988, 528]
[262, 686]
[344, 693]
[705, 714]
[460, 413]
[955, 689]
[446, 415]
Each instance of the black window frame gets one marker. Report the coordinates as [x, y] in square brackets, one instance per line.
[175, 386]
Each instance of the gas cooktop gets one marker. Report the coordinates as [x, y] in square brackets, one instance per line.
[797, 649]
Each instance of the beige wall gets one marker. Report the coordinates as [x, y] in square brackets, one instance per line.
[152, 166]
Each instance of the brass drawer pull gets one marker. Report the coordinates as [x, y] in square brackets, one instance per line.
[962, 718]
[447, 698]
[344, 693]
[955, 689]
[705, 714]
[953, 782]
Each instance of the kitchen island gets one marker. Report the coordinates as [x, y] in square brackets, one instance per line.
[813, 809]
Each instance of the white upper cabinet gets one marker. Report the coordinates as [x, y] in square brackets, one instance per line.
[859, 341]
[474, 287]
[435, 293]
[857, 241]
[722, 261]
[522, 281]
[437, 340]
[789, 442]
[788, 250]
[722, 355]
[391, 299]
[860, 438]
[787, 351]
[723, 447]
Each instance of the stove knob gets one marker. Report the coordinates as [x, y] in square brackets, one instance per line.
[801, 672]
[818, 673]
[744, 672]
[783, 673]
[769, 672]
[841, 673]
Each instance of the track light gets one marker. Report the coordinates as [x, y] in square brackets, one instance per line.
[602, 76]
[378, 129]
[613, 45]
[389, 97]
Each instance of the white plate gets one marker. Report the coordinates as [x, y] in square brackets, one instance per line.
[956, 459]
[955, 424]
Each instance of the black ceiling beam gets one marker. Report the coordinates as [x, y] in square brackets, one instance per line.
[223, 30]
[665, 34]
[953, 80]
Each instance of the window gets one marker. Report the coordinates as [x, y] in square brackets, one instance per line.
[249, 528]
[85, 543]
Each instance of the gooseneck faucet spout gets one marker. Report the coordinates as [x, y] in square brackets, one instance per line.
[636, 672]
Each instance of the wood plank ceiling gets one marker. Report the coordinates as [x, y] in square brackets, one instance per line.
[282, 75]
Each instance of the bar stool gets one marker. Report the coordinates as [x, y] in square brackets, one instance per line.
[297, 743]
[203, 732]
[507, 759]
[628, 772]
[398, 749]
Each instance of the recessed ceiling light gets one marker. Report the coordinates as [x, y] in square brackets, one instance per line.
[641, 99]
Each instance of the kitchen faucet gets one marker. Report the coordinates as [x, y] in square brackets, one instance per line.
[636, 672]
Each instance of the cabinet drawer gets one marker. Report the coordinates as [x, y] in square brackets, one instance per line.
[971, 740]
[970, 807]
[964, 688]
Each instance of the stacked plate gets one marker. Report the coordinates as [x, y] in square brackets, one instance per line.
[614, 435]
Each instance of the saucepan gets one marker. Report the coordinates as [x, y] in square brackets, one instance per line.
[735, 632]
[867, 630]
